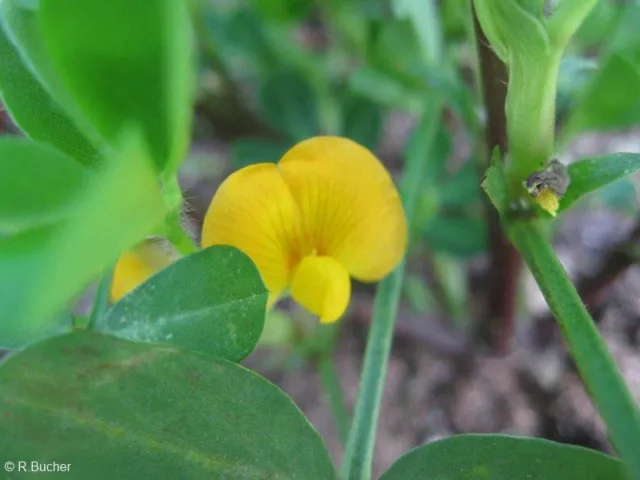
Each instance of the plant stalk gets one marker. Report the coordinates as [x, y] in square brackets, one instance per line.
[331, 387]
[361, 440]
[594, 362]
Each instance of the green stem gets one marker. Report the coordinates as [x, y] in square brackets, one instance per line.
[331, 386]
[101, 299]
[596, 366]
[530, 109]
[360, 443]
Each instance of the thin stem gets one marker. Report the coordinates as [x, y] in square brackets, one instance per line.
[331, 386]
[596, 366]
[499, 296]
[360, 443]
[101, 299]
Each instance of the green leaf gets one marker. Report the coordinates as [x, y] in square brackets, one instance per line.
[595, 364]
[38, 184]
[440, 153]
[41, 270]
[500, 457]
[460, 236]
[424, 16]
[126, 62]
[381, 87]
[362, 121]
[620, 195]
[288, 103]
[611, 100]
[20, 22]
[112, 408]
[495, 185]
[34, 110]
[247, 151]
[220, 310]
[463, 188]
[590, 174]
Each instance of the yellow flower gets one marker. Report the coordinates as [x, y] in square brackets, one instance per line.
[138, 264]
[326, 212]
[548, 200]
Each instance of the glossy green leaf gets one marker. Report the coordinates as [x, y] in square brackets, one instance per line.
[610, 101]
[38, 184]
[460, 236]
[590, 174]
[247, 151]
[596, 366]
[362, 121]
[34, 110]
[288, 103]
[122, 204]
[126, 62]
[118, 409]
[220, 310]
[500, 457]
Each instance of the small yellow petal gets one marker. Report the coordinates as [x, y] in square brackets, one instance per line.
[349, 207]
[135, 266]
[253, 210]
[548, 201]
[322, 286]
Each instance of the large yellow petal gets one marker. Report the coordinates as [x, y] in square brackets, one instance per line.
[350, 209]
[322, 286]
[138, 264]
[253, 210]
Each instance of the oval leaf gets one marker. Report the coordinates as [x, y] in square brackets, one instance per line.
[590, 174]
[498, 457]
[112, 408]
[38, 184]
[34, 110]
[126, 61]
[219, 310]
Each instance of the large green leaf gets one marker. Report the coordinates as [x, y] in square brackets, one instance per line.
[124, 62]
[590, 174]
[498, 457]
[112, 408]
[38, 184]
[34, 110]
[41, 270]
[288, 103]
[220, 309]
[20, 21]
